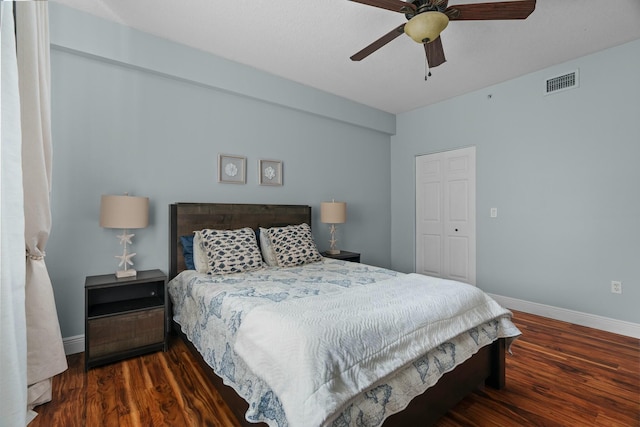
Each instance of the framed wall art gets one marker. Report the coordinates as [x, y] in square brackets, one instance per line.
[270, 172]
[232, 169]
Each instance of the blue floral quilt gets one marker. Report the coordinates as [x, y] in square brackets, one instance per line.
[211, 308]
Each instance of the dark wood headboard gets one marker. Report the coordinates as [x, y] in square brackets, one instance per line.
[185, 218]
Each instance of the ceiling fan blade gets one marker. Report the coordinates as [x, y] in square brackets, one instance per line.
[482, 11]
[391, 35]
[435, 52]
[393, 5]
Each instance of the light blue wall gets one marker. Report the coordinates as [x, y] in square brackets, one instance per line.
[563, 171]
[132, 112]
[135, 113]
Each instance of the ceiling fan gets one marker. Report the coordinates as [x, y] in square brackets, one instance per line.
[427, 19]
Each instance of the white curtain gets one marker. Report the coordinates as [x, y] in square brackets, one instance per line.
[13, 335]
[45, 350]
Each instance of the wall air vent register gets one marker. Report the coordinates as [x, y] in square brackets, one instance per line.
[561, 83]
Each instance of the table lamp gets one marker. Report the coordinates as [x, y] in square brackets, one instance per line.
[124, 212]
[333, 213]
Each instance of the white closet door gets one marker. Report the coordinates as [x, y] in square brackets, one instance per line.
[429, 212]
[445, 215]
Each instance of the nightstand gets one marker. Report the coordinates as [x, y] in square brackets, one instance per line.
[344, 255]
[124, 317]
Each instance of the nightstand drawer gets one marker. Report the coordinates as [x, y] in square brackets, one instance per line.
[111, 334]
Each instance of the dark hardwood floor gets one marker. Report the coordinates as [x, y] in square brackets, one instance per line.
[559, 375]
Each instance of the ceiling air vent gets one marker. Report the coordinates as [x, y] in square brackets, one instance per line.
[560, 83]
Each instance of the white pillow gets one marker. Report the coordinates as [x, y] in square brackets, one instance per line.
[199, 254]
[266, 247]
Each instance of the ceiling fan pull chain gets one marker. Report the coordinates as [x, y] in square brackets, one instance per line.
[427, 71]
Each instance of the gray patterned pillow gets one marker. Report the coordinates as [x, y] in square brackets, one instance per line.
[231, 251]
[293, 245]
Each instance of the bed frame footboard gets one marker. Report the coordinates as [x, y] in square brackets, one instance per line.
[486, 367]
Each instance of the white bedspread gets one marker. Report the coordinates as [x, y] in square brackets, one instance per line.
[316, 353]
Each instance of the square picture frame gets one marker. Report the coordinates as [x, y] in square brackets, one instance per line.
[232, 169]
[270, 172]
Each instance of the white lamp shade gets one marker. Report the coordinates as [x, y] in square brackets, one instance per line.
[333, 212]
[124, 212]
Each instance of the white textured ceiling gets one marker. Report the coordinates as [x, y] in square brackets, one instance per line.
[310, 42]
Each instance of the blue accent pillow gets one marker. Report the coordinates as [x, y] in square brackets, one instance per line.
[187, 251]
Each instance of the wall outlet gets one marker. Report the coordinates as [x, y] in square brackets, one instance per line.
[493, 213]
[616, 287]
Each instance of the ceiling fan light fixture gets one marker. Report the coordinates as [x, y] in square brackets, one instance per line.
[426, 27]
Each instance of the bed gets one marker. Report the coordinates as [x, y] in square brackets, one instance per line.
[398, 392]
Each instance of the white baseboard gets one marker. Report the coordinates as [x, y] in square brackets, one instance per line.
[620, 327]
[73, 345]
